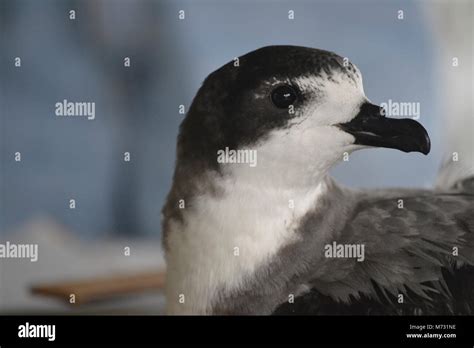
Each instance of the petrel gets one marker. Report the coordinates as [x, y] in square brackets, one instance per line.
[282, 237]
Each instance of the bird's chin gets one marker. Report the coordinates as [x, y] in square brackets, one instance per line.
[355, 147]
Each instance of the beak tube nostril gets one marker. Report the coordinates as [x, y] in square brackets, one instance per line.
[370, 127]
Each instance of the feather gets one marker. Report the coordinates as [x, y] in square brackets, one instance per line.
[423, 251]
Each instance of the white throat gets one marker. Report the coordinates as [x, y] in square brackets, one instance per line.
[224, 240]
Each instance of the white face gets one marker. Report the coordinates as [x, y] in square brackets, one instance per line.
[301, 154]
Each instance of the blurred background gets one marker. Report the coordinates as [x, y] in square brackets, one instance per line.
[404, 56]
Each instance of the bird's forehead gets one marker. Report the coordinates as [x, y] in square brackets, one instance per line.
[307, 67]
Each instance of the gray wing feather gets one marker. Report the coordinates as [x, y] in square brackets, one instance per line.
[407, 250]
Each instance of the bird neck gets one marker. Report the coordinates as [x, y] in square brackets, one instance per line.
[228, 233]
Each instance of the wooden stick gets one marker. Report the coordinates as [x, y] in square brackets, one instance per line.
[102, 288]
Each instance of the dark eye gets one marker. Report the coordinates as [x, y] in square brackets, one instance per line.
[284, 96]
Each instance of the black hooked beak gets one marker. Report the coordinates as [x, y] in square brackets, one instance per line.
[370, 127]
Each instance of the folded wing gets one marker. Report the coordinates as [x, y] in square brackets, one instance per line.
[419, 257]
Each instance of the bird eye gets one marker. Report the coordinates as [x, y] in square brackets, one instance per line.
[283, 96]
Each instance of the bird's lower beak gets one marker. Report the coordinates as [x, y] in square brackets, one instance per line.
[370, 127]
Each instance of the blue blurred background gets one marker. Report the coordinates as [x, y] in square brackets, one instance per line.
[137, 106]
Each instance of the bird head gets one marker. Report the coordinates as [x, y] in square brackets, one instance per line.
[295, 106]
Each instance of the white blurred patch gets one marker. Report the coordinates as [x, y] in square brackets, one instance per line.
[451, 22]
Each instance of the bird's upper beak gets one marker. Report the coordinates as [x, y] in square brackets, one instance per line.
[370, 127]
